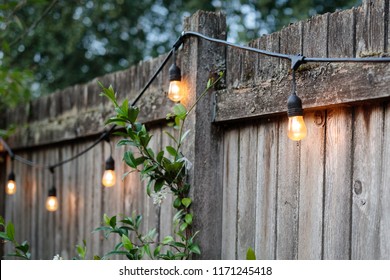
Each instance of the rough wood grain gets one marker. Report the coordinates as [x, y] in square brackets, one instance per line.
[231, 155]
[247, 181]
[367, 175]
[312, 187]
[287, 195]
[205, 149]
[266, 189]
[337, 201]
[323, 86]
[315, 36]
[384, 229]
[370, 28]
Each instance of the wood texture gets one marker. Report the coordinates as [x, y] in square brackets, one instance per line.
[312, 187]
[266, 189]
[337, 200]
[367, 173]
[246, 194]
[230, 194]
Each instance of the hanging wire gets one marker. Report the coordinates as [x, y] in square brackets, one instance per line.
[296, 61]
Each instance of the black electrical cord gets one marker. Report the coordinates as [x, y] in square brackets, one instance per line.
[296, 61]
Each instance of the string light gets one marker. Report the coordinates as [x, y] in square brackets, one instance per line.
[52, 201]
[109, 177]
[175, 91]
[297, 128]
[11, 184]
[296, 125]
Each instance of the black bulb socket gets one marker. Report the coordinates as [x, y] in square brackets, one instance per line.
[110, 164]
[11, 176]
[53, 191]
[174, 73]
[294, 106]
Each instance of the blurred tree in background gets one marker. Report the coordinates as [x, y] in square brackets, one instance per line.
[47, 45]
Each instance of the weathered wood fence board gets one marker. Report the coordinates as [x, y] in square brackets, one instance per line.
[326, 197]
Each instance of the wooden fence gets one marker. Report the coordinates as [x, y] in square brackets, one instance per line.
[325, 197]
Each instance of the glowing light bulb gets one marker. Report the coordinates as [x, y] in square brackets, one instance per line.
[296, 128]
[175, 91]
[11, 187]
[11, 184]
[51, 201]
[109, 178]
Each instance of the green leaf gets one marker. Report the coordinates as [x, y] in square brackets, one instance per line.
[157, 251]
[106, 219]
[133, 114]
[149, 187]
[158, 185]
[129, 159]
[4, 236]
[186, 201]
[160, 156]
[177, 203]
[167, 239]
[127, 243]
[183, 226]
[146, 248]
[114, 253]
[113, 221]
[116, 120]
[184, 136]
[124, 142]
[250, 254]
[2, 221]
[179, 110]
[125, 108]
[188, 218]
[10, 230]
[171, 150]
[209, 83]
[96, 258]
[194, 248]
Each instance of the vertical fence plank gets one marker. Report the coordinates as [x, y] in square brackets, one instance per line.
[337, 208]
[267, 180]
[288, 159]
[370, 28]
[230, 193]
[311, 187]
[367, 170]
[384, 229]
[246, 216]
[341, 42]
[287, 195]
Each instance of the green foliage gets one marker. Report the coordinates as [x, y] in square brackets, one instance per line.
[250, 254]
[164, 172]
[21, 250]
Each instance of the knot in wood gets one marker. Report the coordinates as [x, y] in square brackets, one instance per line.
[357, 187]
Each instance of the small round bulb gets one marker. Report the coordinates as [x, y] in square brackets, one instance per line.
[11, 187]
[296, 128]
[175, 91]
[52, 203]
[109, 178]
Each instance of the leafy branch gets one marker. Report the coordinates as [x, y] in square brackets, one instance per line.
[163, 173]
[8, 234]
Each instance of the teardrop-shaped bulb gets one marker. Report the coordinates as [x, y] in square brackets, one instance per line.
[51, 203]
[296, 128]
[175, 92]
[109, 178]
[11, 187]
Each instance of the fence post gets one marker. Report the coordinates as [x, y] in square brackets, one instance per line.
[202, 60]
